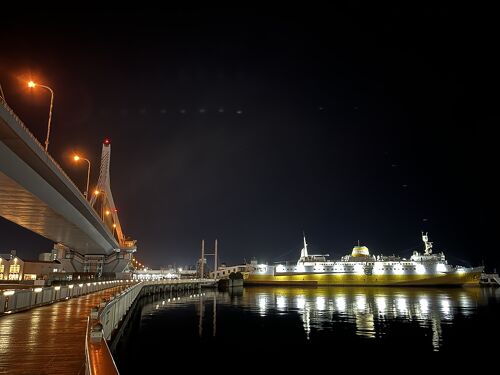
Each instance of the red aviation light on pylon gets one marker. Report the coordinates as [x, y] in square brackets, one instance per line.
[106, 142]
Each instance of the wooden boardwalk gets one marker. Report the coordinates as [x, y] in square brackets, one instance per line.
[48, 339]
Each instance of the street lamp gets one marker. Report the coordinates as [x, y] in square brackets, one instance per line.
[78, 158]
[97, 193]
[32, 84]
[104, 212]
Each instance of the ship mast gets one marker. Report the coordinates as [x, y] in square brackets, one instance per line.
[428, 245]
[303, 253]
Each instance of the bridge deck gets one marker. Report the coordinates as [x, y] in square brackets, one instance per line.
[48, 339]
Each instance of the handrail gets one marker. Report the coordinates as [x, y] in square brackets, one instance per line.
[42, 149]
[87, 356]
[113, 302]
[16, 300]
[134, 291]
[99, 354]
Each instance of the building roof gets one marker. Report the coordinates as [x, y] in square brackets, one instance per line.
[42, 261]
[8, 256]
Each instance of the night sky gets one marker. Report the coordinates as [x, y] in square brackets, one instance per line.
[251, 126]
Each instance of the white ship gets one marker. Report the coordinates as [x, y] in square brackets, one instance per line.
[361, 268]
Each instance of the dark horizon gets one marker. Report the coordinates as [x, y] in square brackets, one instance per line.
[352, 123]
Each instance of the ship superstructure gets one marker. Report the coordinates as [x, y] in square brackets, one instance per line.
[361, 268]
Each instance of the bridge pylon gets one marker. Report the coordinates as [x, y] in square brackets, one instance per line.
[103, 203]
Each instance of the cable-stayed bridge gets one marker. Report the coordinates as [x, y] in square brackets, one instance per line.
[36, 194]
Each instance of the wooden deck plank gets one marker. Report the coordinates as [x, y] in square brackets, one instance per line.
[48, 339]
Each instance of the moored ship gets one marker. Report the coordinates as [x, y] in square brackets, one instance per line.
[361, 268]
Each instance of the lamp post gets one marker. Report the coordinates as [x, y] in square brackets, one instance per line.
[104, 212]
[32, 84]
[96, 193]
[78, 158]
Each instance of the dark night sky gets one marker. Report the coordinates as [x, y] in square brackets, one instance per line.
[250, 126]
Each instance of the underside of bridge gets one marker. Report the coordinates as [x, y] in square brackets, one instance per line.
[36, 194]
[27, 210]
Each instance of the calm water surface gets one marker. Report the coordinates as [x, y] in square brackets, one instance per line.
[293, 320]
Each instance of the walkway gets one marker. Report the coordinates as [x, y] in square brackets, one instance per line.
[48, 339]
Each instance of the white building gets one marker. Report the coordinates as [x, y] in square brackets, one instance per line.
[223, 272]
[13, 268]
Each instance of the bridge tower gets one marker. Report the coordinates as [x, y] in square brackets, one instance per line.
[102, 198]
[103, 203]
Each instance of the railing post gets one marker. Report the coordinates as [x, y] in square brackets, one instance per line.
[96, 332]
[94, 313]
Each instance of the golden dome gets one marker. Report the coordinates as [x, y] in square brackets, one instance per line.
[360, 251]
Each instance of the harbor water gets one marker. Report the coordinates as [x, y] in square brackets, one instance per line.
[255, 322]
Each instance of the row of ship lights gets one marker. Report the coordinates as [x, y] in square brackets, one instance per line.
[359, 268]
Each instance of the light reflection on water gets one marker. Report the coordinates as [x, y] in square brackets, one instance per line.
[367, 307]
[368, 313]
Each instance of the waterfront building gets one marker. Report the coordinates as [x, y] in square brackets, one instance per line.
[224, 271]
[15, 269]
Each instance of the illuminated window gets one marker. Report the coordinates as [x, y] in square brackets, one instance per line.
[2, 269]
[29, 276]
[14, 271]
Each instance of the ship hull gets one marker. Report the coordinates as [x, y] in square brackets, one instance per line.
[450, 279]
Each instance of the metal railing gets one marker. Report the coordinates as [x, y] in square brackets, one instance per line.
[87, 355]
[15, 300]
[35, 140]
[111, 315]
[105, 320]
[48, 156]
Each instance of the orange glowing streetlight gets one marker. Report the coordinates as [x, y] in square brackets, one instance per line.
[98, 192]
[32, 85]
[78, 158]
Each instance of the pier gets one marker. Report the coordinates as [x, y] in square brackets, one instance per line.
[49, 339]
[69, 335]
